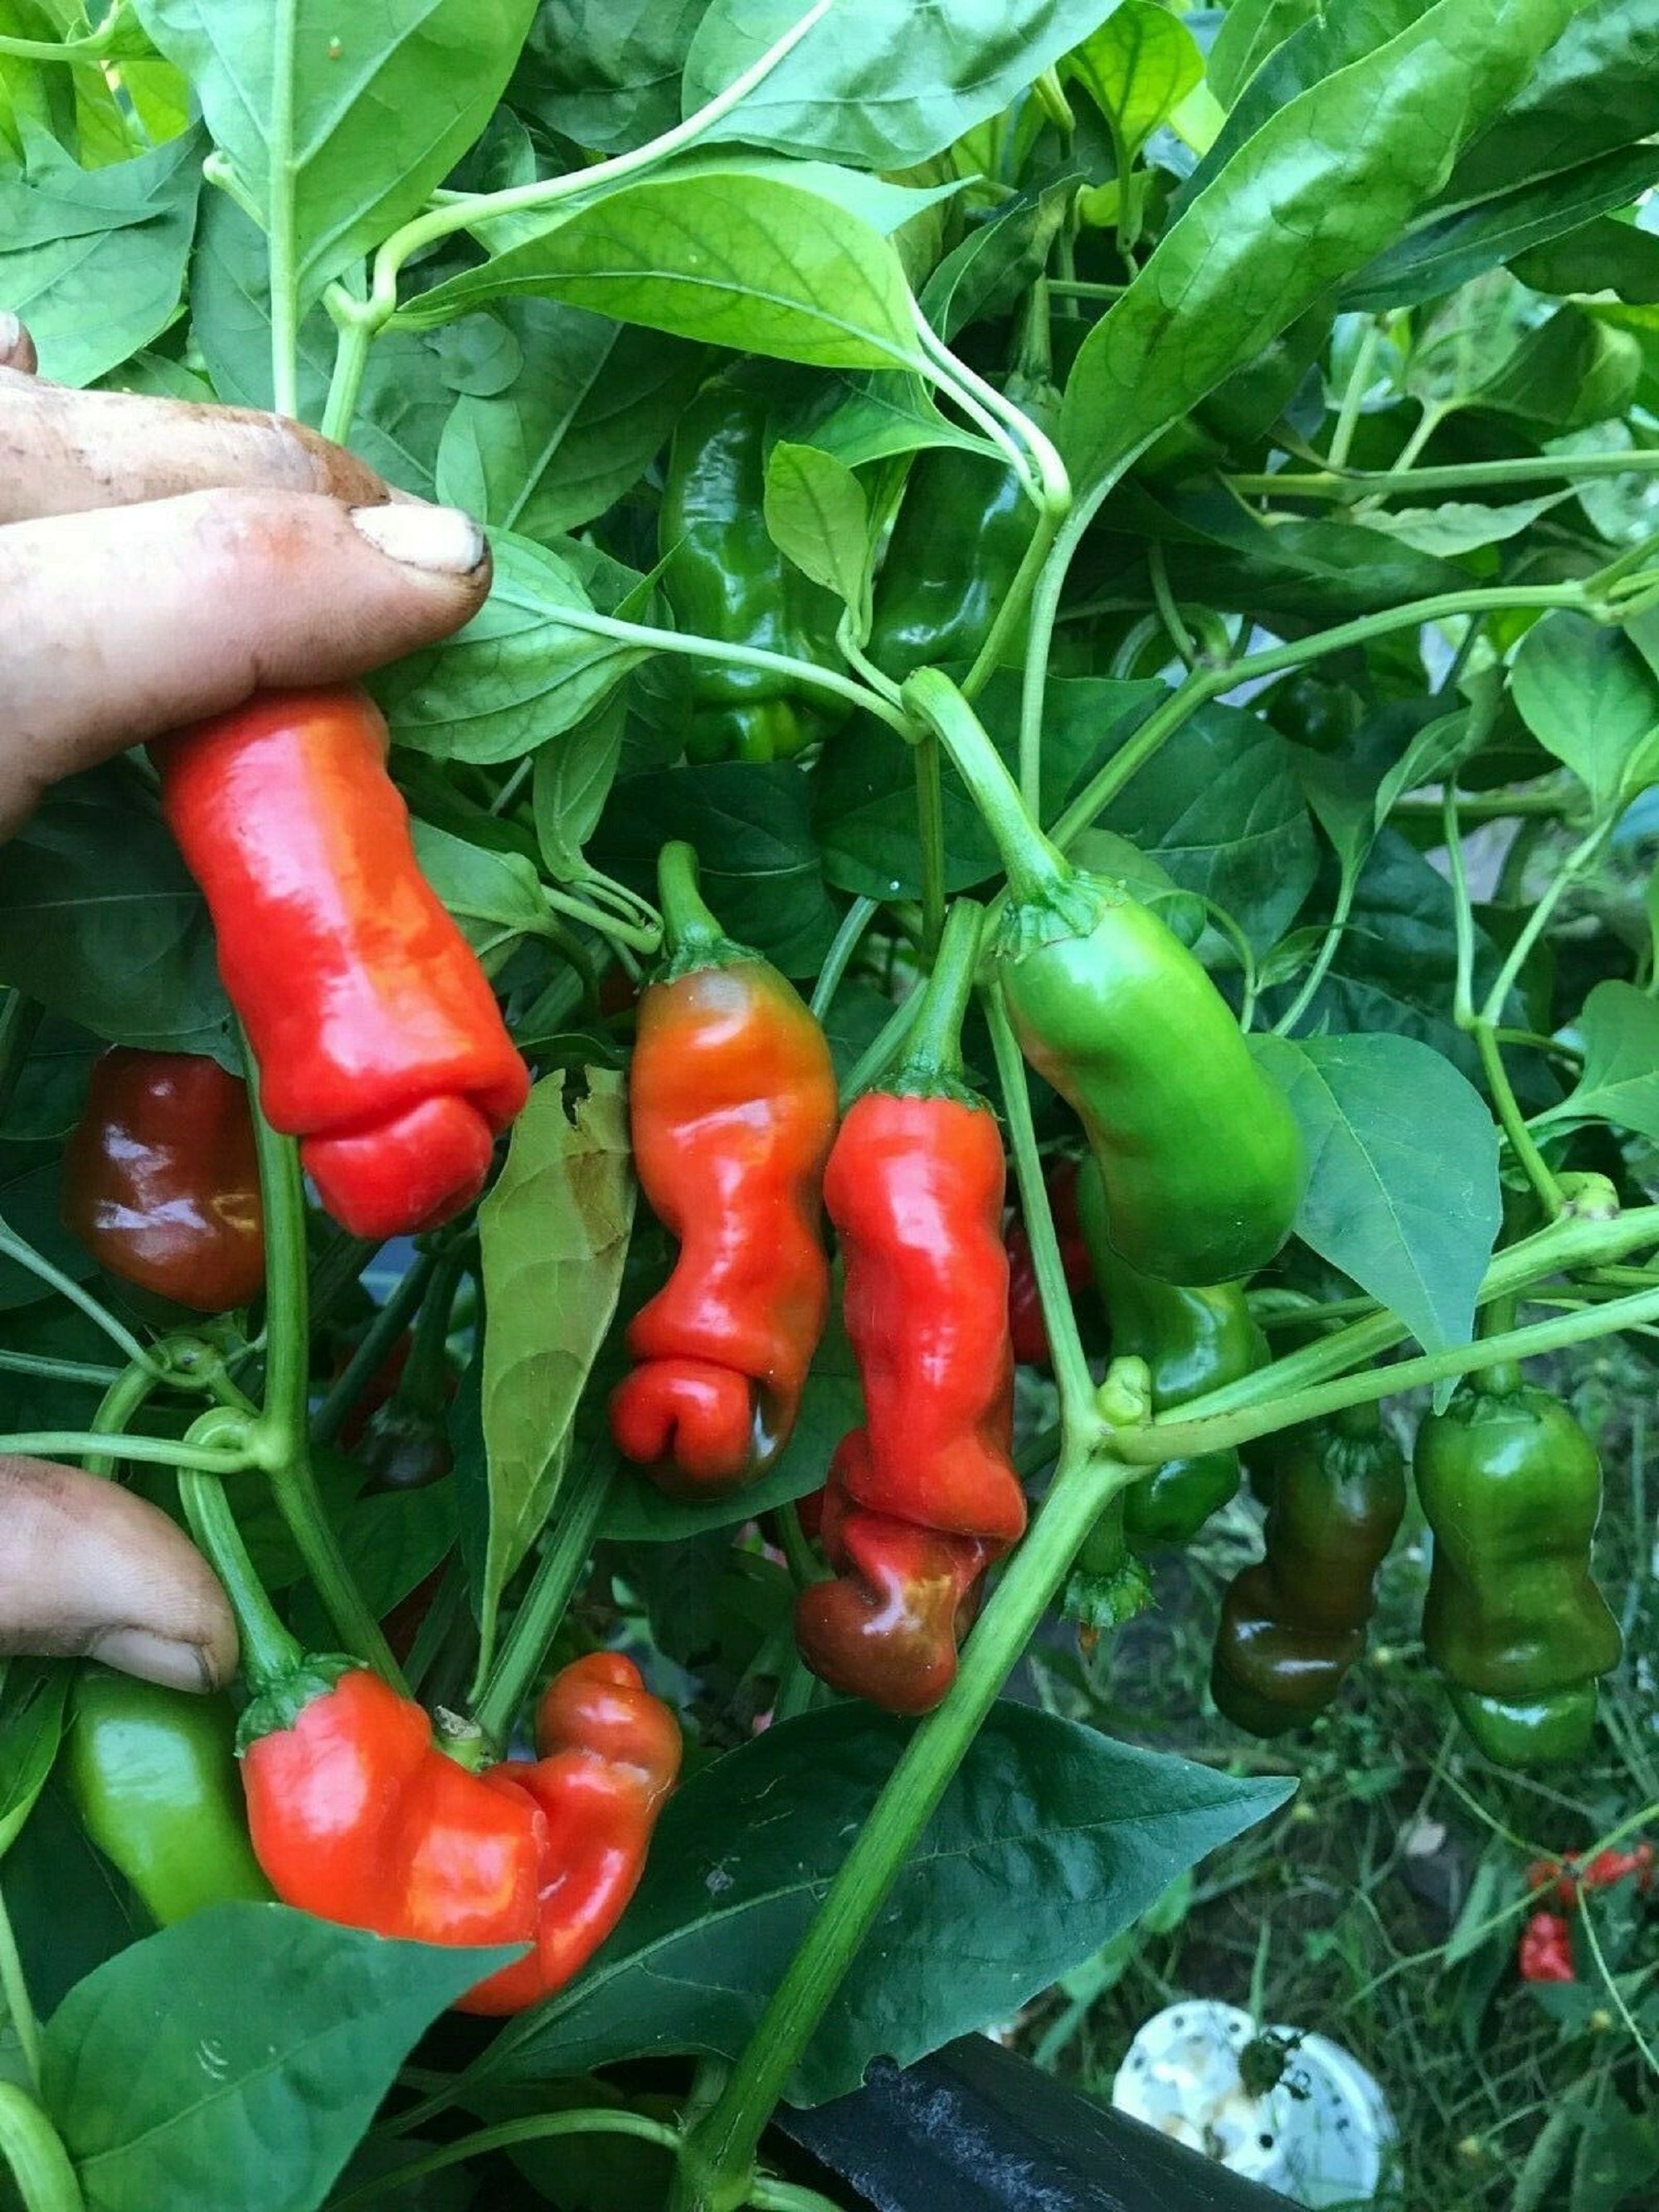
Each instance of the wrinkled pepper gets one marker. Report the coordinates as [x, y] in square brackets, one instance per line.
[731, 1105]
[924, 1495]
[1194, 1340]
[961, 532]
[1512, 1487]
[1201, 1161]
[379, 1040]
[1026, 1325]
[152, 1775]
[161, 1182]
[357, 1817]
[727, 581]
[1293, 1625]
[1545, 1953]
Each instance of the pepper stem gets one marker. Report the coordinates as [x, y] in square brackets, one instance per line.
[1503, 1378]
[1033, 866]
[934, 1059]
[691, 937]
[269, 1653]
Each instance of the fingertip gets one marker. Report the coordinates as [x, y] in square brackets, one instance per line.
[16, 346]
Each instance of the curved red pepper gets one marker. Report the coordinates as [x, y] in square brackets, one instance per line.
[379, 1043]
[1546, 1949]
[161, 1182]
[357, 1817]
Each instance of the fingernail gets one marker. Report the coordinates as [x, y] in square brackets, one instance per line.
[16, 346]
[152, 1658]
[439, 538]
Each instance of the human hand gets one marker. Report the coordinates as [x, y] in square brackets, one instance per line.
[160, 561]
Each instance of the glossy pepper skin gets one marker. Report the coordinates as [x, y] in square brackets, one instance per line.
[1511, 1488]
[357, 1817]
[923, 1496]
[379, 1041]
[1293, 1625]
[726, 580]
[731, 1105]
[1192, 1341]
[1201, 1163]
[1026, 1326]
[961, 535]
[160, 1182]
[152, 1774]
[1545, 1953]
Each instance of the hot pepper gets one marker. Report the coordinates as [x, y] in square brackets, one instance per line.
[924, 1495]
[1546, 1949]
[160, 1183]
[152, 1773]
[961, 535]
[726, 580]
[1512, 1487]
[379, 1043]
[1026, 1325]
[1192, 1341]
[1294, 1623]
[732, 1104]
[357, 1817]
[1201, 1161]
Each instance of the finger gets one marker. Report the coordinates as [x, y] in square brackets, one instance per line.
[16, 346]
[123, 625]
[89, 1570]
[64, 451]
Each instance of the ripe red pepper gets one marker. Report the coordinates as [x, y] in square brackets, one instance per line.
[160, 1183]
[379, 1040]
[732, 1104]
[1026, 1326]
[924, 1495]
[1603, 1871]
[357, 1817]
[1546, 1949]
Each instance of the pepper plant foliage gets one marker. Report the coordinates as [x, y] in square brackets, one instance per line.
[1326, 614]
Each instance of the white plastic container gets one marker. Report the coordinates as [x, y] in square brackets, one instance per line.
[1321, 2136]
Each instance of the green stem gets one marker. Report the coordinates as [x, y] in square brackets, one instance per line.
[805, 1566]
[354, 335]
[1072, 288]
[933, 1055]
[130, 1390]
[495, 1702]
[57, 1370]
[691, 933]
[14, 1247]
[1527, 1157]
[606, 923]
[269, 1652]
[1467, 476]
[1346, 891]
[1006, 620]
[1168, 612]
[882, 1051]
[1488, 807]
[930, 831]
[717, 2158]
[1354, 394]
[1030, 861]
[537, 2128]
[149, 1452]
[1582, 854]
[33, 2151]
[847, 938]
[20, 2008]
[282, 230]
[372, 1350]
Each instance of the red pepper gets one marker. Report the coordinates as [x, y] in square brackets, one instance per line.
[1604, 1871]
[160, 1183]
[379, 1040]
[733, 1108]
[1546, 1949]
[357, 1817]
[1026, 1326]
[924, 1495]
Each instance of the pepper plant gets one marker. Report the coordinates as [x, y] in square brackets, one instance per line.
[1181, 476]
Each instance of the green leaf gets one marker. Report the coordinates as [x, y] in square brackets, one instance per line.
[554, 1233]
[495, 896]
[515, 675]
[870, 417]
[1619, 1081]
[608, 77]
[575, 430]
[1461, 525]
[1250, 32]
[1137, 68]
[248, 2041]
[880, 85]
[93, 259]
[33, 1696]
[571, 780]
[1085, 1831]
[1324, 183]
[100, 922]
[1605, 256]
[817, 515]
[1403, 1195]
[342, 126]
[997, 264]
[1571, 371]
[1589, 698]
[727, 254]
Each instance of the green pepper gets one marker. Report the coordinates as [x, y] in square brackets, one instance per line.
[1294, 1623]
[1512, 1487]
[1192, 1341]
[726, 579]
[961, 535]
[153, 1775]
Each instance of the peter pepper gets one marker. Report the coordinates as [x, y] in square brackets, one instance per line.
[379, 1040]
